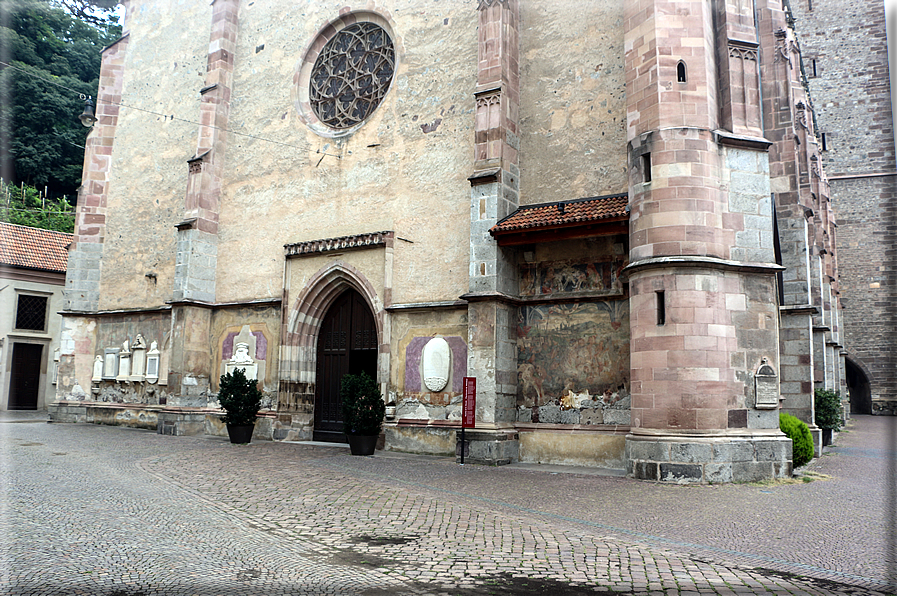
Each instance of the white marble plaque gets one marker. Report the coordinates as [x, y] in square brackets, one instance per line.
[437, 361]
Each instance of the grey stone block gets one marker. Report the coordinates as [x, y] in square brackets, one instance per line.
[718, 472]
[570, 416]
[736, 451]
[752, 471]
[645, 470]
[690, 452]
[670, 472]
[648, 450]
[550, 414]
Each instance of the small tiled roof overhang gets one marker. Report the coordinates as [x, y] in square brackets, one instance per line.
[580, 218]
[33, 248]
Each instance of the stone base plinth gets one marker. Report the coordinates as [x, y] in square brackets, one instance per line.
[491, 448]
[421, 436]
[165, 420]
[692, 459]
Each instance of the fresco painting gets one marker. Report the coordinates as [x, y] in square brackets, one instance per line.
[573, 359]
[554, 277]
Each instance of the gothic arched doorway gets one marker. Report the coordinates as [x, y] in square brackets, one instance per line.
[347, 343]
[858, 388]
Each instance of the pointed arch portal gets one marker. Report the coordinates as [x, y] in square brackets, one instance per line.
[347, 344]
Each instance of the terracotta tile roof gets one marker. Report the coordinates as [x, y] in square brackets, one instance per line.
[564, 214]
[34, 248]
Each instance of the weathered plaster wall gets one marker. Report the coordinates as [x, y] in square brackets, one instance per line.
[572, 100]
[410, 331]
[405, 169]
[87, 337]
[264, 324]
[164, 68]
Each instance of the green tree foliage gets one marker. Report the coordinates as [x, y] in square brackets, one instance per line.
[801, 439]
[25, 206]
[362, 404]
[239, 397]
[828, 409]
[52, 57]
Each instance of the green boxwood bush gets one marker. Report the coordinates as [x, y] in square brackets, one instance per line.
[239, 397]
[828, 409]
[363, 405]
[801, 439]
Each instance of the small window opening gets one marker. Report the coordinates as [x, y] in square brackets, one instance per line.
[646, 166]
[809, 4]
[31, 312]
[824, 142]
[661, 308]
[680, 72]
[813, 67]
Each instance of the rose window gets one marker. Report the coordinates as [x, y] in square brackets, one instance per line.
[351, 75]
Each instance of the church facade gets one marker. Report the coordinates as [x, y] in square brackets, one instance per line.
[612, 214]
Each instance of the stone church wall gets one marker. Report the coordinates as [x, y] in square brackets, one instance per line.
[164, 67]
[573, 101]
[846, 62]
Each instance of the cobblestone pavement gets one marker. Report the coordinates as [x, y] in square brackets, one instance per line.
[111, 511]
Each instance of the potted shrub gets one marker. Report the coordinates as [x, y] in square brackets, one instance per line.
[827, 405]
[801, 439]
[241, 399]
[363, 410]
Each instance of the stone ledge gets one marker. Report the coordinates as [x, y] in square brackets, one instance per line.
[720, 459]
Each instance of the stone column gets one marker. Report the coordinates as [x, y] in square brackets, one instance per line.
[492, 355]
[197, 247]
[703, 317]
[197, 244]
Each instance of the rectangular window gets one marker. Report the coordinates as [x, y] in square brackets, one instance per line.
[824, 142]
[813, 68]
[646, 166]
[31, 312]
[661, 308]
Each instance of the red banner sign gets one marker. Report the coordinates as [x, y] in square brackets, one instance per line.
[469, 408]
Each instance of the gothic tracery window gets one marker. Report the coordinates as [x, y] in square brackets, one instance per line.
[351, 75]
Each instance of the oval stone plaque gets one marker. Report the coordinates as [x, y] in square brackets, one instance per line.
[437, 358]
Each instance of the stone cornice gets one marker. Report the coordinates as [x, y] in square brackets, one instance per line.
[342, 243]
[702, 262]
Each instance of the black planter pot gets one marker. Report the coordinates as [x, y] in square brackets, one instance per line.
[362, 444]
[827, 437]
[240, 433]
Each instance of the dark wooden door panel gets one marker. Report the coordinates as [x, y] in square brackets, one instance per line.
[347, 343]
[25, 376]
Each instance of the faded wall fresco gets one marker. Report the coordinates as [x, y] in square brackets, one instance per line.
[600, 275]
[573, 363]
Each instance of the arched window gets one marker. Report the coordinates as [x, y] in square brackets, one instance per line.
[680, 71]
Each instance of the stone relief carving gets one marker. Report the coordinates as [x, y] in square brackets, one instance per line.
[138, 358]
[110, 364]
[436, 360]
[488, 99]
[743, 53]
[97, 369]
[242, 358]
[783, 47]
[152, 363]
[801, 117]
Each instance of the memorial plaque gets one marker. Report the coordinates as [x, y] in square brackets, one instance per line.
[766, 387]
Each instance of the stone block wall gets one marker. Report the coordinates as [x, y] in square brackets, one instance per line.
[846, 61]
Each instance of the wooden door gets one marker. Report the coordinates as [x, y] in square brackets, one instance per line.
[24, 379]
[347, 343]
